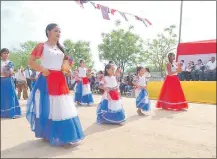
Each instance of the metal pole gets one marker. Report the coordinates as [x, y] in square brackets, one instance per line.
[180, 22]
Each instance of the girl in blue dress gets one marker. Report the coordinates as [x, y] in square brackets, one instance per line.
[142, 100]
[10, 107]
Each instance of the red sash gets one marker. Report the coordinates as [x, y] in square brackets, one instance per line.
[85, 80]
[114, 94]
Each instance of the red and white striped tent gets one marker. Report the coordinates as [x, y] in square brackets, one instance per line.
[192, 51]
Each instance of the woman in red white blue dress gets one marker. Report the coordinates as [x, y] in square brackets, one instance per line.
[172, 96]
[10, 107]
[51, 111]
[110, 109]
[83, 94]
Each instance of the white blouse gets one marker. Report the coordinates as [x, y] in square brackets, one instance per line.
[82, 72]
[52, 58]
[141, 80]
[3, 64]
[109, 82]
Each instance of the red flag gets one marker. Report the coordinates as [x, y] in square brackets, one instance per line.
[112, 11]
[148, 21]
[79, 3]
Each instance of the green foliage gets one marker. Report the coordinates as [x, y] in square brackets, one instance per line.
[122, 47]
[158, 48]
[78, 50]
[20, 56]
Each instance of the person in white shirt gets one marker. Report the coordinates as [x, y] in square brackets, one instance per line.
[198, 71]
[28, 74]
[21, 83]
[210, 72]
[182, 74]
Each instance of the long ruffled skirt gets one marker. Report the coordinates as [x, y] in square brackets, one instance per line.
[83, 94]
[10, 106]
[51, 111]
[172, 96]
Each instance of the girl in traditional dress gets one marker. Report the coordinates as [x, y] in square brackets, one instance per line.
[171, 95]
[10, 107]
[142, 100]
[83, 94]
[110, 109]
[51, 111]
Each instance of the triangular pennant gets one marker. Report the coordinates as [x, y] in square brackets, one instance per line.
[79, 3]
[148, 21]
[123, 15]
[93, 4]
[112, 11]
[104, 11]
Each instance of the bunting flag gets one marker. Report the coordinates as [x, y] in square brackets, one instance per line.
[81, 2]
[123, 15]
[145, 21]
[106, 10]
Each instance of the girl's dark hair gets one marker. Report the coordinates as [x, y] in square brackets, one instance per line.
[4, 50]
[81, 61]
[49, 28]
[138, 69]
[147, 70]
[101, 72]
[169, 55]
[108, 66]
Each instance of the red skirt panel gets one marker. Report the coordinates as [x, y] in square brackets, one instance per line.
[171, 95]
[57, 84]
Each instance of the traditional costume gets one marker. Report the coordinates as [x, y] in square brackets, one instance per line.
[50, 109]
[110, 109]
[10, 107]
[171, 95]
[142, 99]
[83, 94]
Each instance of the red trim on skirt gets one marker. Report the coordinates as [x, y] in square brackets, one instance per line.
[171, 95]
[57, 84]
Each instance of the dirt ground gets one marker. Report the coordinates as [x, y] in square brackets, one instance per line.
[187, 134]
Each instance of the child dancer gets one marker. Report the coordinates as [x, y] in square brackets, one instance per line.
[110, 109]
[83, 94]
[142, 100]
[10, 107]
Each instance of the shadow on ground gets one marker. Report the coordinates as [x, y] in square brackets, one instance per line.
[35, 149]
[160, 113]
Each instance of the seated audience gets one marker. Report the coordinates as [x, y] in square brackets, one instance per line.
[210, 71]
[198, 71]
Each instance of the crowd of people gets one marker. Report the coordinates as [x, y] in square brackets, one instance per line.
[198, 71]
[125, 83]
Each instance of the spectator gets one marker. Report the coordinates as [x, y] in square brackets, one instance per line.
[92, 81]
[182, 74]
[198, 71]
[22, 83]
[188, 71]
[210, 71]
[28, 74]
[147, 75]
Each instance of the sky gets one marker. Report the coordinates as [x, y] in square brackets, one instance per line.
[26, 20]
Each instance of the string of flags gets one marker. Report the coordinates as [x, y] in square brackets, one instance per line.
[106, 11]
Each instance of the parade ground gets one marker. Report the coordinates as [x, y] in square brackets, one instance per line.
[186, 134]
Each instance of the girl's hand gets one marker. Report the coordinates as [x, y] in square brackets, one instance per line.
[45, 72]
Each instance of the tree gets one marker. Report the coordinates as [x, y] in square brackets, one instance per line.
[122, 47]
[158, 48]
[21, 55]
[78, 50]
